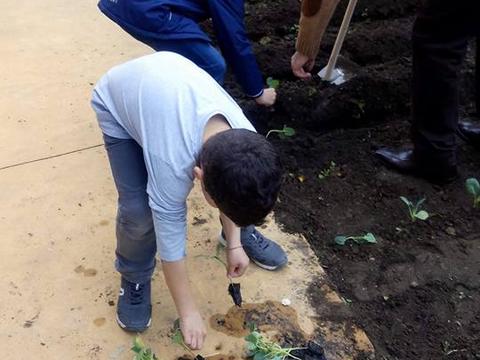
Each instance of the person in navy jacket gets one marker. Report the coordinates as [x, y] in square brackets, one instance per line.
[173, 25]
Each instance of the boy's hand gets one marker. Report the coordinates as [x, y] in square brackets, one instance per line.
[193, 330]
[237, 262]
[267, 98]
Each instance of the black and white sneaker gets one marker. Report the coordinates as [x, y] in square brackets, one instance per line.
[134, 307]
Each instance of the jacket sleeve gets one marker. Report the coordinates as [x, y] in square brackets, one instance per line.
[228, 22]
[314, 19]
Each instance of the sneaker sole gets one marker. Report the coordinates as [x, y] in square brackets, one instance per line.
[223, 242]
[124, 327]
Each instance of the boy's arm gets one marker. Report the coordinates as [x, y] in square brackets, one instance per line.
[314, 19]
[170, 230]
[191, 322]
[227, 17]
[167, 199]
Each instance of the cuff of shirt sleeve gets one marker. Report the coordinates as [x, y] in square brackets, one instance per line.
[170, 259]
[171, 239]
[257, 95]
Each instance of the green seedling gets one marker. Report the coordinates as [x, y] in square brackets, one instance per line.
[260, 348]
[473, 187]
[361, 108]
[291, 32]
[265, 40]
[273, 83]
[294, 29]
[177, 338]
[368, 238]
[141, 351]
[282, 133]
[328, 171]
[347, 301]
[215, 257]
[234, 289]
[414, 209]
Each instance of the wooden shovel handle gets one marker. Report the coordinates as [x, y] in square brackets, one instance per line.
[332, 61]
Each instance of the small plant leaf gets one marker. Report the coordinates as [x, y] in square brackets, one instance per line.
[422, 215]
[251, 347]
[138, 345]
[288, 131]
[473, 186]
[141, 351]
[341, 240]
[265, 40]
[259, 356]
[406, 201]
[273, 83]
[370, 238]
[252, 337]
[177, 337]
[420, 202]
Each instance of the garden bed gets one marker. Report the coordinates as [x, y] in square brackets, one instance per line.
[416, 292]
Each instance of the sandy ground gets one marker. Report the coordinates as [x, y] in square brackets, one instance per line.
[59, 286]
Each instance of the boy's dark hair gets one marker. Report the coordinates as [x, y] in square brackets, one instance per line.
[242, 174]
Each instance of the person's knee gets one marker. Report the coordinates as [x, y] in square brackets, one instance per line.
[135, 217]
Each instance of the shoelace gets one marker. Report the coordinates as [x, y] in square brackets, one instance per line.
[259, 239]
[136, 294]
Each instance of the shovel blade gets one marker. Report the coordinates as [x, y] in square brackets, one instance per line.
[337, 77]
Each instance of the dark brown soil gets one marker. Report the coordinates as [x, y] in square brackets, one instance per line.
[417, 291]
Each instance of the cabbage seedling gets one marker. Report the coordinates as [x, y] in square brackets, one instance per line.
[414, 209]
[368, 238]
[234, 289]
[473, 187]
[177, 338]
[260, 348]
[328, 171]
[282, 133]
[141, 351]
[273, 83]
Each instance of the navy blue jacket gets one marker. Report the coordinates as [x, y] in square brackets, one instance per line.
[172, 19]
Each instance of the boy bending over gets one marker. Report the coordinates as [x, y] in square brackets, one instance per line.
[165, 122]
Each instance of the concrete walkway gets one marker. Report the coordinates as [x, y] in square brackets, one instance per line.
[58, 208]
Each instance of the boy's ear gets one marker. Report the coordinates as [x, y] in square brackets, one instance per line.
[198, 173]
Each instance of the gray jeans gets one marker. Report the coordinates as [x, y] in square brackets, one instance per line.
[136, 244]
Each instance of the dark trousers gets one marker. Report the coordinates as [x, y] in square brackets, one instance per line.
[440, 38]
[201, 52]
